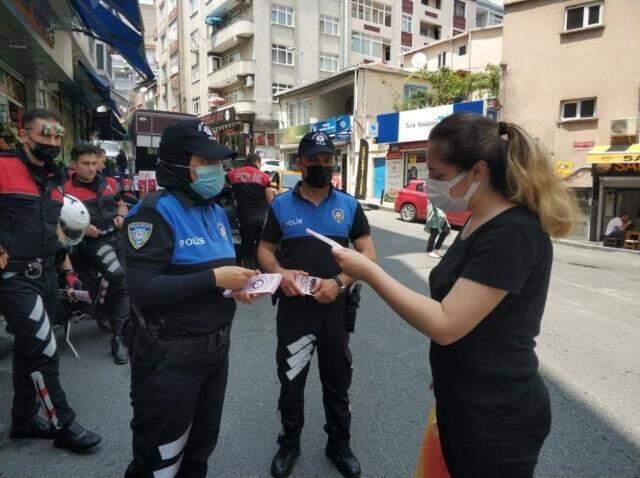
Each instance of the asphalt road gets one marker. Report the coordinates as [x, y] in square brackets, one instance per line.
[589, 353]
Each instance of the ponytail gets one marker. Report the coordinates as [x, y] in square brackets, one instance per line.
[518, 167]
[532, 182]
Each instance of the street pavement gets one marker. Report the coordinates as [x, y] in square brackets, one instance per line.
[589, 355]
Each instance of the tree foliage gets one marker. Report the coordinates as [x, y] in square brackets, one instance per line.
[448, 86]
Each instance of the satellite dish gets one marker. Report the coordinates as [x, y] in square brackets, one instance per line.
[419, 60]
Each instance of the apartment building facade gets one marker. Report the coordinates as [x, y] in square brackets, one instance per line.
[224, 60]
[488, 13]
[576, 89]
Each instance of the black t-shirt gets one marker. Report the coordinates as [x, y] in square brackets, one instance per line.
[339, 216]
[489, 380]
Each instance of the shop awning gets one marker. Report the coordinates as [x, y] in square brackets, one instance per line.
[614, 153]
[110, 29]
[129, 9]
[100, 86]
[109, 126]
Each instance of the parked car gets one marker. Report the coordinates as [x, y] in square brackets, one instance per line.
[411, 203]
[272, 165]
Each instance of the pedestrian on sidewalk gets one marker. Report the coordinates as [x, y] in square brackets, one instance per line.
[487, 295]
[438, 228]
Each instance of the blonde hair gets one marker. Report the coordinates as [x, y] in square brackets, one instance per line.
[533, 182]
[519, 168]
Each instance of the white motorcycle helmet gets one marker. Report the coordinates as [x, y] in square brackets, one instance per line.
[74, 219]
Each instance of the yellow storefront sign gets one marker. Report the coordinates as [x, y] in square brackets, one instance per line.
[608, 154]
[564, 168]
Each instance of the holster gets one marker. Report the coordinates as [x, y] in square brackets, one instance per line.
[352, 304]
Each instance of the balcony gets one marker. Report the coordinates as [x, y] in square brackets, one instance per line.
[460, 23]
[231, 73]
[243, 107]
[231, 34]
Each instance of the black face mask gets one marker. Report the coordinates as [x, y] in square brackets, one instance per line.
[45, 152]
[318, 176]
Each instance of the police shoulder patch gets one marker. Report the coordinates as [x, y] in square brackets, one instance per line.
[139, 233]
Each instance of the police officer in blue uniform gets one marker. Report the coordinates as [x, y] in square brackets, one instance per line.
[179, 259]
[307, 323]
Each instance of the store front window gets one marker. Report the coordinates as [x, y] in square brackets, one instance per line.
[416, 165]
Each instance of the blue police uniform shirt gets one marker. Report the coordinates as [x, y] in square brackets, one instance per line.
[339, 216]
[171, 246]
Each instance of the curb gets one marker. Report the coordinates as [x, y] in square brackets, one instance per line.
[376, 206]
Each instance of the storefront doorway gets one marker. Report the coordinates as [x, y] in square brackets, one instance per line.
[619, 192]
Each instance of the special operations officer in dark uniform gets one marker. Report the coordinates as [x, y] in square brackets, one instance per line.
[30, 205]
[179, 259]
[305, 323]
[101, 249]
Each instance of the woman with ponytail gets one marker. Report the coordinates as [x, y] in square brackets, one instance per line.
[488, 293]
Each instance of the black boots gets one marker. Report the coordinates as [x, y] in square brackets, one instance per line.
[35, 427]
[283, 462]
[119, 351]
[344, 459]
[76, 438]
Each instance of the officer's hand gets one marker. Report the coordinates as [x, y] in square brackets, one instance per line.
[4, 258]
[246, 297]
[355, 265]
[92, 231]
[233, 277]
[288, 284]
[326, 291]
[118, 221]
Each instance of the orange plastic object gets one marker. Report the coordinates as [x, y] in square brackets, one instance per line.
[431, 463]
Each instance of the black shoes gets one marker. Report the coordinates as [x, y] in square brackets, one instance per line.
[344, 459]
[283, 462]
[76, 438]
[119, 351]
[35, 427]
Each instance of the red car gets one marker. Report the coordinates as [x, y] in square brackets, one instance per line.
[411, 203]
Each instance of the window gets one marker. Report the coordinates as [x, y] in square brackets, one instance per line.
[410, 90]
[462, 51]
[429, 30]
[195, 43]
[172, 4]
[163, 74]
[439, 4]
[579, 109]
[459, 9]
[442, 59]
[173, 64]
[172, 32]
[282, 15]
[194, 8]
[407, 23]
[281, 55]
[279, 87]
[329, 62]
[231, 58]
[329, 25]
[213, 64]
[195, 73]
[298, 112]
[163, 42]
[371, 11]
[99, 56]
[365, 44]
[195, 105]
[583, 16]
[232, 96]
[161, 12]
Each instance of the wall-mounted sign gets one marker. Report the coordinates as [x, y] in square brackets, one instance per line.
[619, 169]
[583, 145]
[564, 168]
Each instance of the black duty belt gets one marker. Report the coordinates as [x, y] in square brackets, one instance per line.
[30, 268]
[182, 346]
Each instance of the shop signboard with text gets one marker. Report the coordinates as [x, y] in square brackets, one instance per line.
[336, 127]
[394, 180]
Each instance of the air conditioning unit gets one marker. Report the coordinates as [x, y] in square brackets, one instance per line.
[248, 81]
[624, 127]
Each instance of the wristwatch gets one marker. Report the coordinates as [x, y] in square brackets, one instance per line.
[341, 284]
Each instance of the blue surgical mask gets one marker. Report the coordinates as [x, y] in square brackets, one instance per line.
[210, 181]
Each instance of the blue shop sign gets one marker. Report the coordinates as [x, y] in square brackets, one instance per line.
[336, 127]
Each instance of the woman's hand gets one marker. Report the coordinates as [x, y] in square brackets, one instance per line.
[355, 265]
[233, 277]
[246, 297]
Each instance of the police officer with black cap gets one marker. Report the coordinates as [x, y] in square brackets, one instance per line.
[179, 259]
[307, 323]
[30, 204]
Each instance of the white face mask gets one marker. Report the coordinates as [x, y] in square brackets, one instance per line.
[439, 194]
